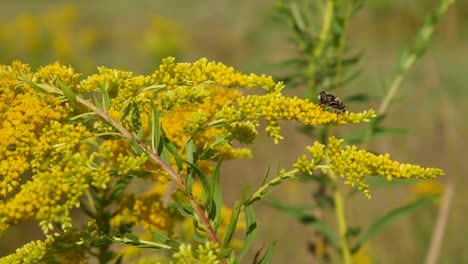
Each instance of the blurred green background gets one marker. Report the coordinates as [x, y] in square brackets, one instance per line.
[135, 35]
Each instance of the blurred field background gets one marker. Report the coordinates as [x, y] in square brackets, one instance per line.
[135, 35]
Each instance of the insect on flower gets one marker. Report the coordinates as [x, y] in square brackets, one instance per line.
[330, 100]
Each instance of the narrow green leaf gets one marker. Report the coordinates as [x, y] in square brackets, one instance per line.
[119, 259]
[67, 91]
[384, 221]
[190, 151]
[390, 132]
[190, 180]
[126, 107]
[155, 128]
[183, 208]
[32, 84]
[217, 192]
[136, 121]
[118, 189]
[197, 235]
[105, 95]
[85, 117]
[173, 150]
[161, 238]
[232, 224]
[268, 255]
[164, 154]
[204, 180]
[300, 213]
[267, 173]
[97, 103]
[251, 230]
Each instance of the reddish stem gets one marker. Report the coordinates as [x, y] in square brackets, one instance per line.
[173, 175]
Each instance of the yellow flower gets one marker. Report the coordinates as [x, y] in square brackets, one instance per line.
[357, 164]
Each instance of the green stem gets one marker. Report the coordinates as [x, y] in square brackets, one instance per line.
[327, 21]
[273, 182]
[342, 228]
[340, 217]
[342, 44]
[323, 37]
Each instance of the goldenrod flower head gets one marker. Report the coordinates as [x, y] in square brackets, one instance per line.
[244, 132]
[183, 95]
[66, 247]
[195, 121]
[51, 73]
[205, 254]
[274, 107]
[146, 210]
[50, 195]
[357, 164]
[174, 74]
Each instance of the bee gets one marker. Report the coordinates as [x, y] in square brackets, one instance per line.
[330, 100]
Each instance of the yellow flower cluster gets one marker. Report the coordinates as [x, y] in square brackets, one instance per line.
[175, 74]
[63, 248]
[357, 164]
[120, 85]
[49, 196]
[24, 116]
[274, 107]
[205, 254]
[50, 73]
[146, 210]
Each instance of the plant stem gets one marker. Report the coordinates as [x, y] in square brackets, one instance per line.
[342, 44]
[340, 217]
[423, 38]
[173, 175]
[327, 21]
[342, 228]
[441, 223]
[273, 182]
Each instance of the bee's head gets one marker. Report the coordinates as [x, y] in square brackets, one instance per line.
[322, 96]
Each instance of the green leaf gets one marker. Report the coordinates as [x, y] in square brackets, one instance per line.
[217, 194]
[83, 118]
[155, 128]
[164, 154]
[173, 150]
[119, 259]
[190, 180]
[41, 88]
[251, 230]
[299, 213]
[136, 121]
[268, 255]
[384, 221]
[118, 189]
[197, 235]
[204, 180]
[97, 103]
[267, 173]
[190, 151]
[161, 238]
[232, 224]
[359, 97]
[67, 91]
[183, 208]
[105, 95]
[390, 132]
[126, 107]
